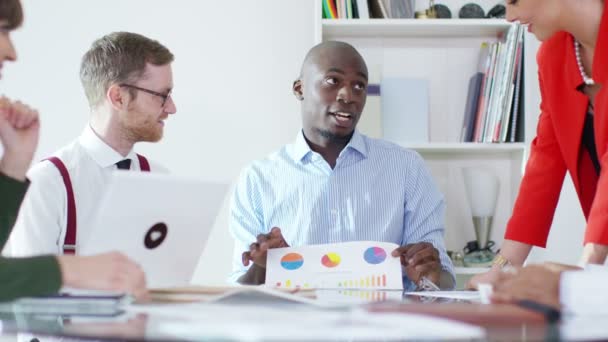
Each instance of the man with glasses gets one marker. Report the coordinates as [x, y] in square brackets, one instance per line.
[127, 79]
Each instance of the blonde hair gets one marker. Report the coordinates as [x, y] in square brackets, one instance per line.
[119, 57]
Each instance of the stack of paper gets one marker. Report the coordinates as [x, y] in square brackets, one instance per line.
[259, 323]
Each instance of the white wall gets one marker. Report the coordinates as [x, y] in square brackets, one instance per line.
[235, 63]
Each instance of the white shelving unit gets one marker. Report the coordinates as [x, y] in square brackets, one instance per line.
[467, 148]
[445, 52]
[337, 29]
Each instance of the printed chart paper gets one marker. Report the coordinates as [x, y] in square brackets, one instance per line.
[349, 265]
[357, 297]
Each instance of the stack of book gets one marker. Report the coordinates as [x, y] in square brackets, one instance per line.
[493, 112]
[365, 9]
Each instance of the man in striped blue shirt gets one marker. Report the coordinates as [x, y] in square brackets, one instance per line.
[334, 184]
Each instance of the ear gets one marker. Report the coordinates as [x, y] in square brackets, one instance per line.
[297, 89]
[115, 97]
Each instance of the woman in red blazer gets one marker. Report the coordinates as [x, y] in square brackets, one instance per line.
[572, 132]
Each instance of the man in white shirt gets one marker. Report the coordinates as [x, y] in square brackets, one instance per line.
[127, 79]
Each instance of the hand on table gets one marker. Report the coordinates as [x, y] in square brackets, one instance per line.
[109, 272]
[489, 277]
[539, 283]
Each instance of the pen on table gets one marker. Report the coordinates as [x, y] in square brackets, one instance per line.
[427, 285]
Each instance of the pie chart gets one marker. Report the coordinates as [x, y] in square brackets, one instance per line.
[374, 255]
[330, 260]
[292, 261]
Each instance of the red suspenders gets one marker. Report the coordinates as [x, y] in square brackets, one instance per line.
[143, 163]
[69, 243]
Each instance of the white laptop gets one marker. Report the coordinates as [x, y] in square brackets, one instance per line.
[160, 221]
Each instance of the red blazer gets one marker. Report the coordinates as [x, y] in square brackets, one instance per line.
[557, 147]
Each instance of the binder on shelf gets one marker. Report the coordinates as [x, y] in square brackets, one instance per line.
[506, 87]
[340, 9]
[377, 9]
[355, 9]
[517, 134]
[491, 91]
[470, 111]
[489, 51]
[387, 8]
[508, 109]
[520, 126]
[329, 9]
[474, 96]
[499, 94]
[405, 110]
[403, 9]
[362, 9]
[517, 96]
[349, 9]
[345, 10]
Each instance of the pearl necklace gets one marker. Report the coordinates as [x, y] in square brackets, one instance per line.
[577, 49]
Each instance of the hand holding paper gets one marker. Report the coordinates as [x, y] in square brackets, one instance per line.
[420, 260]
[258, 250]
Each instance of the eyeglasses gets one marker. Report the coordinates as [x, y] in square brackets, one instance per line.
[152, 92]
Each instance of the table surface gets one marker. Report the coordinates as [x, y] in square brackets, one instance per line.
[501, 322]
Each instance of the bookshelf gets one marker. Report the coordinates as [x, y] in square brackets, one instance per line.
[445, 52]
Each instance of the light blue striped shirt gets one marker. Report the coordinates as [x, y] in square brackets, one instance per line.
[377, 191]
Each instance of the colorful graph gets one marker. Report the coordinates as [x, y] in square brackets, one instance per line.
[292, 261]
[288, 284]
[374, 255]
[330, 260]
[372, 281]
[372, 296]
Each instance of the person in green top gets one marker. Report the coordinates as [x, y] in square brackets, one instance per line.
[43, 275]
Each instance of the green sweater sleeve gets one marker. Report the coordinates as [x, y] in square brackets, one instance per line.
[12, 192]
[34, 276]
[21, 277]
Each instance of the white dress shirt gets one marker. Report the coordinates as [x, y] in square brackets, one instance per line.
[584, 292]
[41, 224]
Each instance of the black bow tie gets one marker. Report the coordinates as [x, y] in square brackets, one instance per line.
[124, 164]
